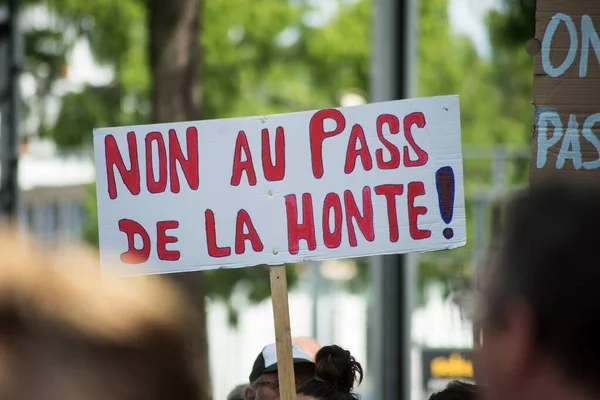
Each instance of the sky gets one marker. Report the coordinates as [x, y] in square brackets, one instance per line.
[468, 17]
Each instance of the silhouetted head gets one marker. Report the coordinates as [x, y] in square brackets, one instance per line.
[542, 308]
[237, 393]
[457, 390]
[336, 372]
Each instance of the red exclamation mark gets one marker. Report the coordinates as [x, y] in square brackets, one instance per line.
[444, 180]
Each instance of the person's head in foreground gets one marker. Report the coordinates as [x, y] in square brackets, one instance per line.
[336, 372]
[264, 383]
[457, 390]
[542, 300]
[308, 345]
[67, 333]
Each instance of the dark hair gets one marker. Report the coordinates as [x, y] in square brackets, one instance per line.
[456, 390]
[237, 393]
[336, 371]
[548, 258]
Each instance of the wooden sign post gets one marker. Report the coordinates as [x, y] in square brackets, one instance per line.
[383, 178]
[283, 333]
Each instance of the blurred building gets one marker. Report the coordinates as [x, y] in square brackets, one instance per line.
[55, 186]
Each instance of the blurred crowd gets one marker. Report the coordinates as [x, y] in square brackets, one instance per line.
[68, 332]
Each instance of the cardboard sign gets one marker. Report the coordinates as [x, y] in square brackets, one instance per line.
[375, 179]
[566, 140]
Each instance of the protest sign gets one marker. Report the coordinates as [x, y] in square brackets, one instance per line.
[374, 179]
[566, 144]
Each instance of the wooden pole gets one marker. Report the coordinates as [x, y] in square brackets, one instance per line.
[283, 335]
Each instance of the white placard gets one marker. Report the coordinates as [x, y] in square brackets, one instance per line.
[380, 178]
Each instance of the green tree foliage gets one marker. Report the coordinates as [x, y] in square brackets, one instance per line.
[263, 60]
[449, 64]
[510, 27]
[92, 106]
[270, 56]
[513, 24]
[495, 110]
[495, 104]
